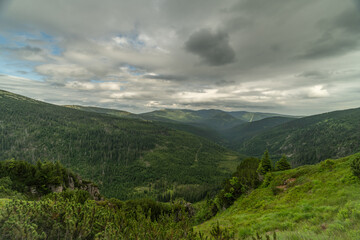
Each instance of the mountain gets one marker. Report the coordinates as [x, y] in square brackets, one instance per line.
[310, 202]
[215, 119]
[114, 112]
[310, 139]
[255, 116]
[128, 158]
[226, 128]
[239, 134]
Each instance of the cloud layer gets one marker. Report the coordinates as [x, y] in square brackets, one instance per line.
[287, 56]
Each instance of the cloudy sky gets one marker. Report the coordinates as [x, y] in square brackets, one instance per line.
[285, 56]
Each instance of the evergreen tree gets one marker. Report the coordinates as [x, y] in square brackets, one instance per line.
[282, 164]
[265, 164]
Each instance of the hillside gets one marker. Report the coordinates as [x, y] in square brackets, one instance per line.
[128, 158]
[215, 119]
[238, 134]
[311, 139]
[255, 116]
[310, 202]
[113, 112]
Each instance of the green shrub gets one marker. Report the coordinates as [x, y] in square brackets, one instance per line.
[355, 166]
[327, 164]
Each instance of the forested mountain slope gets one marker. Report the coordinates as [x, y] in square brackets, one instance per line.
[238, 134]
[311, 139]
[127, 157]
[256, 116]
[212, 118]
[113, 112]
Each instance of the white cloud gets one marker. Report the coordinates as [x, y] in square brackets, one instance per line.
[318, 92]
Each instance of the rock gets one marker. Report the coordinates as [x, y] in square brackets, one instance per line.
[71, 183]
[93, 190]
[33, 190]
[56, 189]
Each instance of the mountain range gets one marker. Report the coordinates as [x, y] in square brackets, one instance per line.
[128, 158]
[168, 152]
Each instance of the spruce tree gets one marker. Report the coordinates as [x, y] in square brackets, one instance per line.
[282, 164]
[265, 164]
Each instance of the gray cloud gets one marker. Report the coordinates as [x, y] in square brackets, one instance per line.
[314, 74]
[328, 46]
[166, 77]
[213, 48]
[144, 54]
[340, 35]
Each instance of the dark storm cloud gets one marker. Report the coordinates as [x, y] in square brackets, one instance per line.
[357, 2]
[166, 77]
[313, 74]
[3, 4]
[349, 20]
[340, 35]
[328, 46]
[213, 48]
[224, 83]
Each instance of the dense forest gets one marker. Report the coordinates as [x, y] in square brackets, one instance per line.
[311, 139]
[305, 140]
[127, 158]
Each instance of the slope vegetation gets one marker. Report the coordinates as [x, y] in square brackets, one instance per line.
[128, 158]
[310, 202]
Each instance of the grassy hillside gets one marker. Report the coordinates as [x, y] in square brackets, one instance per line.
[311, 139]
[309, 202]
[128, 158]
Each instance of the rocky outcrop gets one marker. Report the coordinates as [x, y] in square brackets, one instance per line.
[72, 184]
[93, 190]
[56, 189]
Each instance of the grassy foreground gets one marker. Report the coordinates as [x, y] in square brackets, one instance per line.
[310, 202]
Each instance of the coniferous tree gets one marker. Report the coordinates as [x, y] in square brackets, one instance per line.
[265, 164]
[282, 164]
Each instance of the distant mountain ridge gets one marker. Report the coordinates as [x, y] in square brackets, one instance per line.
[213, 124]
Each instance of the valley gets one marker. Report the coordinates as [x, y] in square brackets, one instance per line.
[166, 159]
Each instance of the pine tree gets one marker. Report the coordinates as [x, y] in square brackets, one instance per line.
[282, 164]
[265, 164]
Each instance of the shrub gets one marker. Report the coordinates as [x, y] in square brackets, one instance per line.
[355, 166]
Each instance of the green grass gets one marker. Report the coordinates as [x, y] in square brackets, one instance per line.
[322, 203]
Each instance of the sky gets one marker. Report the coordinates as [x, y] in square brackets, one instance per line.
[284, 56]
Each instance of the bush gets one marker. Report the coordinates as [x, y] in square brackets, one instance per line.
[327, 164]
[355, 166]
